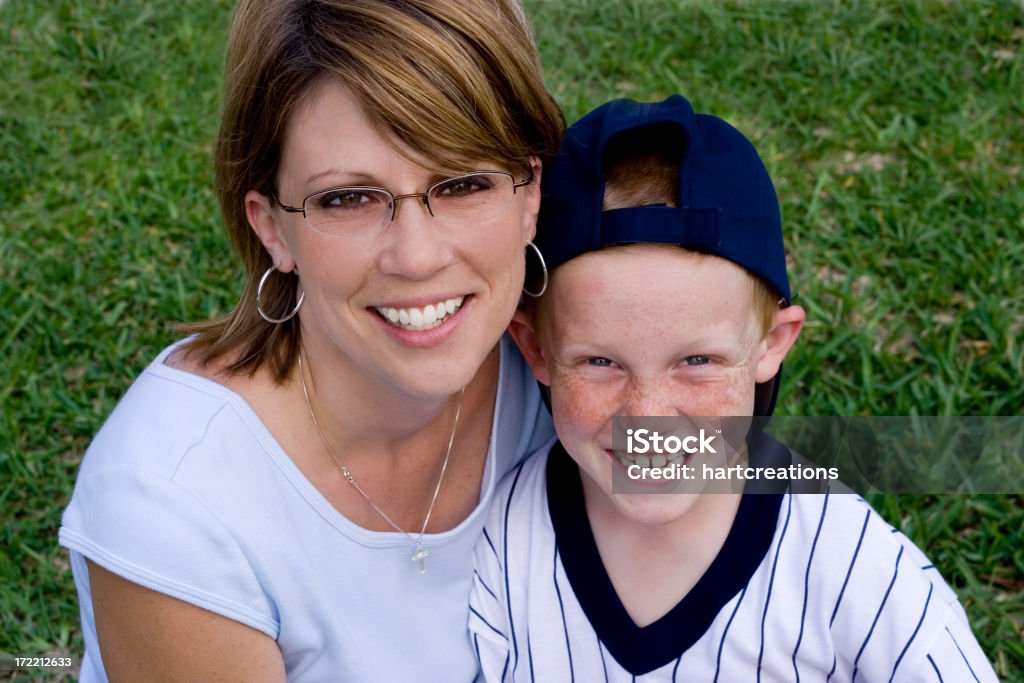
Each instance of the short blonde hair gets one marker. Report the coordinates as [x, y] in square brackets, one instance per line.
[452, 80]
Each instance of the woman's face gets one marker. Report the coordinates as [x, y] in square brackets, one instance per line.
[418, 267]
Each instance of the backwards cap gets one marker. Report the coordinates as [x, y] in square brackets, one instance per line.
[726, 204]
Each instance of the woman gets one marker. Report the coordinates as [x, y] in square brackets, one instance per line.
[295, 491]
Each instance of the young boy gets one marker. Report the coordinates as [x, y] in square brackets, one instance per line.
[668, 296]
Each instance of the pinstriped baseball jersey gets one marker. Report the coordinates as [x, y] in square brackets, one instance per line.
[807, 587]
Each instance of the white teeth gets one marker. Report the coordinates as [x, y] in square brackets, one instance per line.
[658, 461]
[419, 319]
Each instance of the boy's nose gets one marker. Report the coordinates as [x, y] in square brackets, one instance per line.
[649, 397]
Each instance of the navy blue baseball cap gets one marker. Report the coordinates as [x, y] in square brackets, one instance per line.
[726, 203]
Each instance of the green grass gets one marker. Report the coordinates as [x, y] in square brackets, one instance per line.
[892, 129]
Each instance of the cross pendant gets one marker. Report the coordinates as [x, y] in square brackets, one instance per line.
[420, 555]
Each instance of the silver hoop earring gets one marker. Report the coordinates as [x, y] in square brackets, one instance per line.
[259, 301]
[544, 270]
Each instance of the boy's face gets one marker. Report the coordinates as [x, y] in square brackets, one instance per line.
[646, 330]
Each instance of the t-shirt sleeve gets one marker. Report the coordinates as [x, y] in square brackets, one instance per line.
[148, 529]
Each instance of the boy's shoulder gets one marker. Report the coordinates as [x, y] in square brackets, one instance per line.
[839, 544]
[840, 519]
[858, 575]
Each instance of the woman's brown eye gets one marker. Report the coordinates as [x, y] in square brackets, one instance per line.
[460, 187]
[343, 198]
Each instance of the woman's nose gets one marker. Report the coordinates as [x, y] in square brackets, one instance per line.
[414, 244]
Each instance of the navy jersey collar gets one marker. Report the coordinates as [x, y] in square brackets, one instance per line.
[642, 650]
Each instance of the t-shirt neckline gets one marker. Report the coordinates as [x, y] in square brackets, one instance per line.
[314, 498]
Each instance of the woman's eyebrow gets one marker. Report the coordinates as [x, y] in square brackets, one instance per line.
[350, 177]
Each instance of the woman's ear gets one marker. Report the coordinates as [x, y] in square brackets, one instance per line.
[522, 331]
[532, 199]
[780, 339]
[264, 222]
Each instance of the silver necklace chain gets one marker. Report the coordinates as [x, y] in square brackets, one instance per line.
[421, 553]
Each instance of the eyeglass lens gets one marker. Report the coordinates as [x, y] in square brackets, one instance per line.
[471, 198]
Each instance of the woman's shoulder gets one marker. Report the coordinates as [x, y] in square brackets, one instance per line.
[181, 357]
[522, 422]
[518, 390]
[170, 477]
[169, 408]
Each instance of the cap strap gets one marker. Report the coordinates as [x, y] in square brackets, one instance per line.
[660, 224]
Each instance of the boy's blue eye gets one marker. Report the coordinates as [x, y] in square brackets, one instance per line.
[697, 360]
[599, 362]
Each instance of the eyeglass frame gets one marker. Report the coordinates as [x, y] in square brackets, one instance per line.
[394, 197]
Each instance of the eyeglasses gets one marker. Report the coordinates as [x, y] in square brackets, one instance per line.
[464, 199]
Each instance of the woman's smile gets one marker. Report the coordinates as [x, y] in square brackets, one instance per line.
[417, 318]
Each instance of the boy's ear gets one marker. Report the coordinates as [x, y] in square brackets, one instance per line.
[522, 331]
[779, 340]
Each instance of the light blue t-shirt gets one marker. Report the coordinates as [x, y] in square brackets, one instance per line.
[185, 491]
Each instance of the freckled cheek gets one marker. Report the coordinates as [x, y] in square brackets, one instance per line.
[580, 405]
[732, 395]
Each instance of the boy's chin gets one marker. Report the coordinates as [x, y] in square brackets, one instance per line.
[653, 509]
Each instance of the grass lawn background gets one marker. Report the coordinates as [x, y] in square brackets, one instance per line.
[893, 131]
